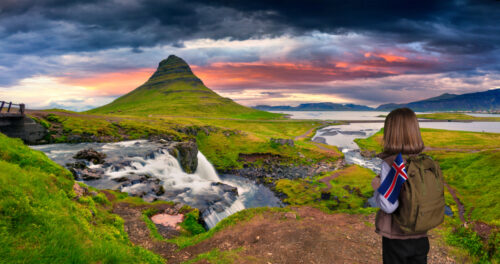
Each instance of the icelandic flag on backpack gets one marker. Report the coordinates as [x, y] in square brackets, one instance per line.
[391, 186]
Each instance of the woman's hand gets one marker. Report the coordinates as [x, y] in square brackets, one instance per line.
[376, 182]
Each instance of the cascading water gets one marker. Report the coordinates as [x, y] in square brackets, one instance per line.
[143, 168]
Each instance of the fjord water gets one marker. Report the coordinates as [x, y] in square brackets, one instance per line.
[201, 189]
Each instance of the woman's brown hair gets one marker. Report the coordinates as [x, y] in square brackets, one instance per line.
[402, 133]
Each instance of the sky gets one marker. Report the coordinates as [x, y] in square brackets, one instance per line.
[76, 54]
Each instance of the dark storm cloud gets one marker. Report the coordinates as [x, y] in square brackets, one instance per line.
[451, 26]
[34, 29]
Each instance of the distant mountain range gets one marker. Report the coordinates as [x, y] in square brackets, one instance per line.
[479, 101]
[315, 107]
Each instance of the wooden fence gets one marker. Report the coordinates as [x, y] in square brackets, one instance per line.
[9, 108]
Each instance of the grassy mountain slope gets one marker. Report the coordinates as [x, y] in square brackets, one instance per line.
[43, 221]
[479, 101]
[174, 90]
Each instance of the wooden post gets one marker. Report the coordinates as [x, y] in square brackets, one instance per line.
[21, 108]
[8, 109]
[1, 107]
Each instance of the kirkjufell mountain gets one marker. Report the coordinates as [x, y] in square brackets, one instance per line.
[174, 90]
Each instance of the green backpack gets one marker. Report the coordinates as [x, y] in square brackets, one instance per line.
[421, 201]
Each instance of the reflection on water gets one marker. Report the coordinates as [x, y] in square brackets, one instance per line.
[335, 115]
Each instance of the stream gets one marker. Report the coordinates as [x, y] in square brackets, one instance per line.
[143, 168]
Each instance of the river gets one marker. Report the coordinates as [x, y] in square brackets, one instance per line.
[140, 167]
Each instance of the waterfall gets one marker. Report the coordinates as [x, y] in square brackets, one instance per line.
[205, 169]
[212, 217]
[145, 169]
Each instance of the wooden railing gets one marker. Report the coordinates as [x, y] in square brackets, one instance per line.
[9, 109]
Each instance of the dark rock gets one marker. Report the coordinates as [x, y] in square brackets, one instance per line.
[226, 188]
[282, 141]
[368, 153]
[86, 174]
[24, 128]
[321, 140]
[91, 155]
[187, 154]
[330, 133]
[80, 164]
[74, 138]
[359, 133]
[325, 195]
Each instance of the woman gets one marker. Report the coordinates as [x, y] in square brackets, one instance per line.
[401, 135]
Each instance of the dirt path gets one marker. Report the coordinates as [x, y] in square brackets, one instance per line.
[305, 134]
[327, 180]
[305, 236]
[460, 205]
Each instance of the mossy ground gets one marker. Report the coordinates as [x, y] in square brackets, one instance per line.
[348, 190]
[469, 161]
[41, 221]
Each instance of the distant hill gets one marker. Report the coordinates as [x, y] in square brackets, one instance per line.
[174, 90]
[315, 107]
[480, 101]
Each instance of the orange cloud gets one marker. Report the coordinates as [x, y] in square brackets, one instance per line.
[112, 83]
[386, 57]
[281, 74]
[392, 58]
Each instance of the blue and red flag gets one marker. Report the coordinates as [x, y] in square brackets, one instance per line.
[391, 186]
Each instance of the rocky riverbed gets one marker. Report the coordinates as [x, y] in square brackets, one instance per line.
[161, 170]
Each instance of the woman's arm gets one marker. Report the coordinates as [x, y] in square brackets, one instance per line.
[385, 205]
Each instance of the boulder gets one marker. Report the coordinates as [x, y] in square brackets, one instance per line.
[226, 188]
[91, 155]
[283, 141]
[321, 140]
[187, 154]
[368, 153]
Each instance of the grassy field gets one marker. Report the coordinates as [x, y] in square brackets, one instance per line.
[42, 220]
[456, 116]
[348, 191]
[470, 164]
[220, 139]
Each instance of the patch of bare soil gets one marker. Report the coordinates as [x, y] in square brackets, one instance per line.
[460, 205]
[307, 235]
[315, 237]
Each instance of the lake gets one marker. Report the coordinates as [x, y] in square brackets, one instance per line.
[492, 127]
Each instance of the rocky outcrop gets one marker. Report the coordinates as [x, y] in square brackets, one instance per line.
[90, 155]
[187, 154]
[282, 141]
[24, 128]
[226, 188]
[368, 153]
[321, 140]
[272, 171]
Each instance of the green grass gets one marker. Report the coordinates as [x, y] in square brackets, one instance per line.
[456, 116]
[41, 222]
[216, 256]
[308, 191]
[441, 139]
